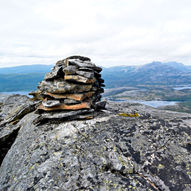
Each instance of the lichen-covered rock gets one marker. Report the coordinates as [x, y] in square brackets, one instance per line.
[12, 110]
[149, 151]
[61, 87]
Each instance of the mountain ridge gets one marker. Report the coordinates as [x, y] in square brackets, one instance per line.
[38, 68]
[155, 73]
[41, 68]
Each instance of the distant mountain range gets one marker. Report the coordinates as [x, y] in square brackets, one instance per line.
[26, 78]
[22, 78]
[26, 69]
[155, 73]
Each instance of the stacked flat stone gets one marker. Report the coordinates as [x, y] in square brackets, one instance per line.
[74, 84]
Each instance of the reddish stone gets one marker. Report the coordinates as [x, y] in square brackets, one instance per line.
[83, 105]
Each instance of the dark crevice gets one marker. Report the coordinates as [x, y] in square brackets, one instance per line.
[6, 143]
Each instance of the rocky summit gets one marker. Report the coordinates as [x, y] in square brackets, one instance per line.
[124, 146]
[72, 89]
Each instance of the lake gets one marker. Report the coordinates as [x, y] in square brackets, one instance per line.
[183, 88]
[153, 103]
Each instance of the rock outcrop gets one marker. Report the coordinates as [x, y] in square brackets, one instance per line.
[122, 146]
[73, 85]
[151, 151]
[12, 110]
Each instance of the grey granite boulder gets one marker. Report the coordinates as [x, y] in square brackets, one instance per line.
[147, 151]
[12, 110]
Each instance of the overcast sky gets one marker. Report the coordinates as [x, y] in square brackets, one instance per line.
[110, 32]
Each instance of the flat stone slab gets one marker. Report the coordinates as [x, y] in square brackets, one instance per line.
[81, 64]
[80, 79]
[70, 70]
[65, 116]
[78, 97]
[83, 105]
[51, 103]
[85, 74]
[60, 86]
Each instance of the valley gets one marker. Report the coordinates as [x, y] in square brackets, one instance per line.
[162, 97]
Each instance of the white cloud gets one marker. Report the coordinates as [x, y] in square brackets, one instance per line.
[109, 32]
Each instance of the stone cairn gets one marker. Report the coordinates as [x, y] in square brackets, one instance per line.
[71, 90]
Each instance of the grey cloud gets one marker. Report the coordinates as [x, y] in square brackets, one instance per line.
[110, 32]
